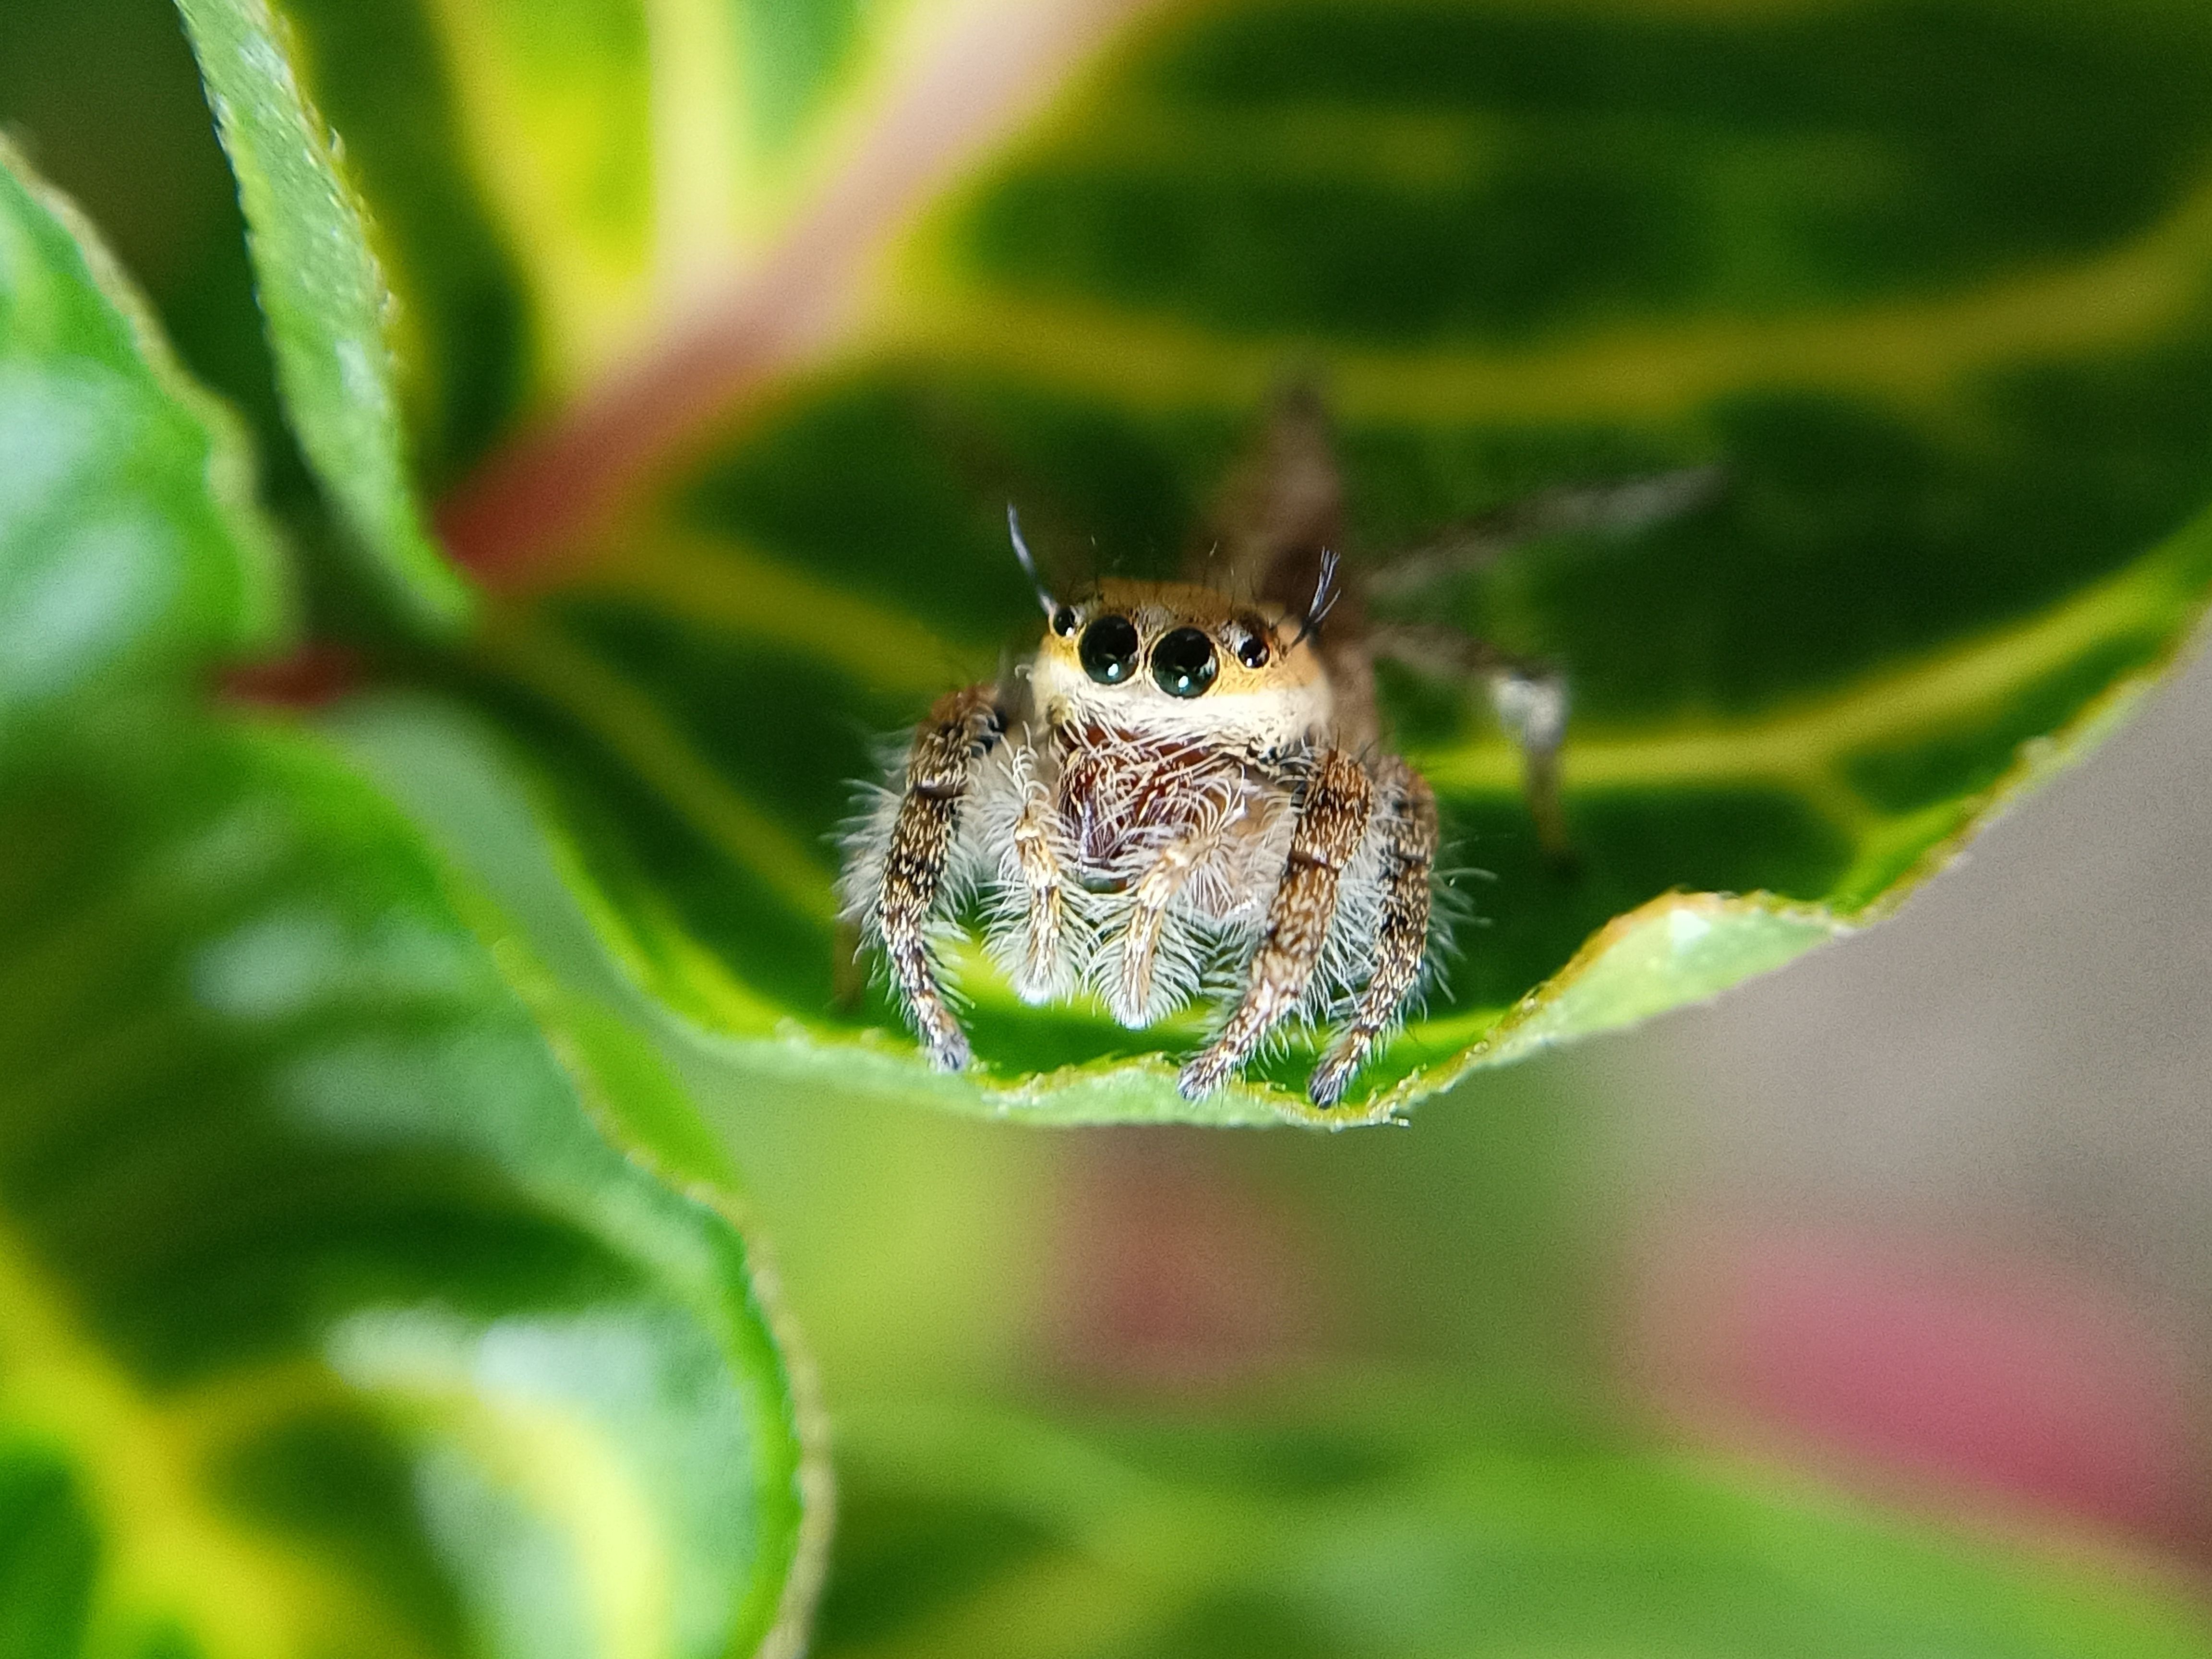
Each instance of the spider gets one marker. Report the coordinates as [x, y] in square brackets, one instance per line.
[1184, 791]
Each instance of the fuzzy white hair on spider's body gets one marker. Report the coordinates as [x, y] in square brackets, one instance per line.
[1007, 787]
[864, 841]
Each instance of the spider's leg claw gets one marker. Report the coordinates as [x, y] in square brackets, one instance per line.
[1332, 1077]
[949, 1050]
[1205, 1073]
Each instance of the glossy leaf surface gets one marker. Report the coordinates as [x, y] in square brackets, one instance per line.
[1953, 363]
[331, 316]
[1354, 1534]
[344, 1309]
[360, 1293]
[131, 550]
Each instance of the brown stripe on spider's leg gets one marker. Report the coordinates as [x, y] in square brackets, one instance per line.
[1333, 817]
[1408, 810]
[1530, 700]
[939, 768]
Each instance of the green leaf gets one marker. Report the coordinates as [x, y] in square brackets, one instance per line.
[131, 549]
[739, 329]
[1955, 367]
[1416, 1525]
[348, 1307]
[553, 189]
[331, 316]
[361, 1292]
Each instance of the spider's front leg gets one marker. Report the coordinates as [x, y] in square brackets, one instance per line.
[1337, 801]
[1408, 810]
[939, 768]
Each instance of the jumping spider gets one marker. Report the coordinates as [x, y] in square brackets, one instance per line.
[1184, 790]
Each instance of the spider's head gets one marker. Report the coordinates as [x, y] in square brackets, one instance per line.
[1178, 660]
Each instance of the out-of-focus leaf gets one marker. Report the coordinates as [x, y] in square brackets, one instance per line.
[105, 94]
[345, 1306]
[1416, 1526]
[131, 549]
[555, 191]
[1954, 363]
[330, 313]
[360, 1292]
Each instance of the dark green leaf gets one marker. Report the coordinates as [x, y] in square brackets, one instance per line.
[1415, 1525]
[131, 550]
[1955, 365]
[349, 1308]
[331, 316]
[360, 1291]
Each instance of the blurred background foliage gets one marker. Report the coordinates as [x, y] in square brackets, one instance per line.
[1492, 1384]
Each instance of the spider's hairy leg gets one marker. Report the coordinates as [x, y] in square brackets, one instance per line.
[1038, 974]
[1337, 801]
[1407, 810]
[1531, 704]
[1131, 993]
[1529, 699]
[1618, 509]
[938, 770]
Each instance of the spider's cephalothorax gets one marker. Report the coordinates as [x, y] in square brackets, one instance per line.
[1183, 791]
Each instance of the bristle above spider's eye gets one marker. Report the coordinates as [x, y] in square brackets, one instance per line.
[1110, 650]
[1063, 621]
[1183, 664]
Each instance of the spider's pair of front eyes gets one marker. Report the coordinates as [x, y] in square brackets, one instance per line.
[1183, 663]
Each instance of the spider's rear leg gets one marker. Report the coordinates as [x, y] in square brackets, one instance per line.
[939, 768]
[1529, 699]
[1407, 810]
[1617, 509]
[1531, 704]
[1339, 799]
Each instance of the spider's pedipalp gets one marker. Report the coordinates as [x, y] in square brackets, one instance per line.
[1028, 920]
[1130, 990]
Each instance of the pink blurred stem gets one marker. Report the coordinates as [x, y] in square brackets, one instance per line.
[550, 489]
[1895, 1359]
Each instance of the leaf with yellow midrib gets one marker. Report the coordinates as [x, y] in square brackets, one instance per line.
[1953, 363]
[361, 1292]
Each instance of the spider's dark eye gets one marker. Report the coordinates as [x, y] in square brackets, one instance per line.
[1063, 621]
[1252, 650]
[1183, 663]
[1110, 650]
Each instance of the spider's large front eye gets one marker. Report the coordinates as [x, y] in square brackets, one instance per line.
[1110, 650]
[1183, 663]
